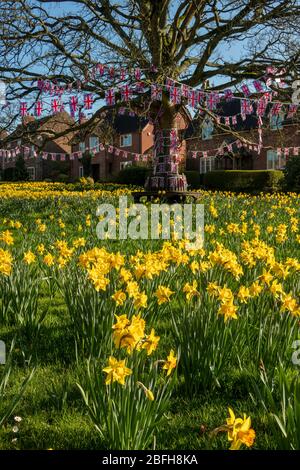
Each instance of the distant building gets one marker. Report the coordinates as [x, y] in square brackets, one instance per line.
[128, 134]
[26, 140]
[204, 135]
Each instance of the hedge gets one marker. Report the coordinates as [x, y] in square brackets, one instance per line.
[134, 175]
[244, 180]
[194, 179]
[292, 174]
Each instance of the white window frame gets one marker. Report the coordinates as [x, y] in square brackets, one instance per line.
[204, 126]
[31, 173]
[93, 142]
[274, 162]
[82, 147]
[279, 122]
[124, 165]
[126, 140]
[207, 164]
[80, 171]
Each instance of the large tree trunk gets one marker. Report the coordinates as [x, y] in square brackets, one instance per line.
[165, 175]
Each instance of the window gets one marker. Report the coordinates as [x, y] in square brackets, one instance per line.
[80, 171]
[32, 151]
[207, 129]
[276, 121]
[81, 146]
[125, 165]
[126, 140]
[94, 142]
[207, 164]
[272, 160]
[31, 173]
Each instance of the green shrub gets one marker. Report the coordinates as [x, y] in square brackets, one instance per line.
[292, 174]
[8, 174]
[62, 178]
[244, 180]
[194, 179]
[134, 175]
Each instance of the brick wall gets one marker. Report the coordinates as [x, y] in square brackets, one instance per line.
[289, 136]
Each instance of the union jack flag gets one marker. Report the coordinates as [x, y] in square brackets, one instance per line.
[169, 83]
[173, 140]
[234, 120]
[227, 121]
[110, 149]
[40, 84]
[122, 74]
[23, 109]
[258, 86]
[194, 154]
[286, 151]
[55, 106]
[296, 151]
[74, 103]
[268, 96]
[245, 90]
[88, 101]
[246, 107]
[211, 101]
[271, 70]
[111, 72]
[110, 97]
[137, 73]
[185, 91]
[261, 107]
[292, 110]
[193, 98]
[175, 95]
[126, 93]
[278, 151]
[276, 108]
[38, 108]
[228, 95]
[100, 68]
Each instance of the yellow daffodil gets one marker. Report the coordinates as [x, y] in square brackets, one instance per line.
[170, 363]
[163, 294]
[116, 371]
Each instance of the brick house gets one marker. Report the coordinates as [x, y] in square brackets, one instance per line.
[26, 141]
[127, 133]
[204, 135]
